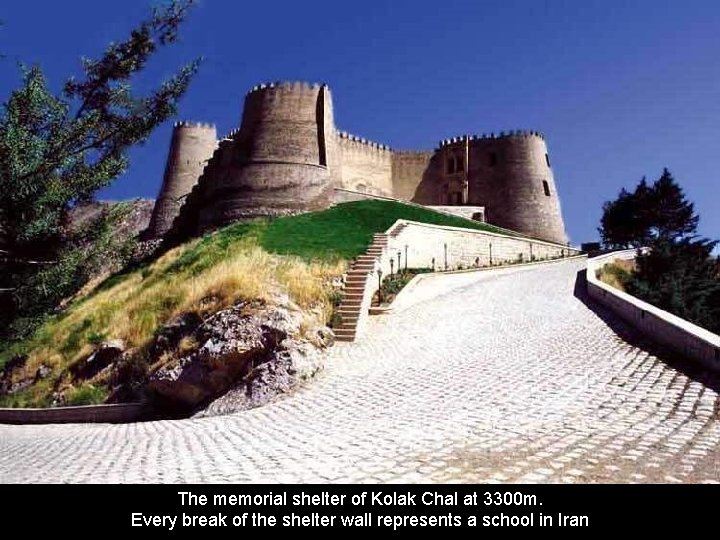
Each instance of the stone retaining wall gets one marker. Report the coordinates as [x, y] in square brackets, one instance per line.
[452, 248]
[116, 413]
[455, 248]
[661, 326]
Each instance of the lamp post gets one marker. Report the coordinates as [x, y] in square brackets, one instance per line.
[392, 265]
[380, 286]
[491, 263]
[445, 245]
[399, 254]
[433, 264]
[406, 246]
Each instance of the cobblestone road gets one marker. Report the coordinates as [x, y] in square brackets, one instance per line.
[509, 377]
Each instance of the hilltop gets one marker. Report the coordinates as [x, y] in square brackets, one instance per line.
[150, 322]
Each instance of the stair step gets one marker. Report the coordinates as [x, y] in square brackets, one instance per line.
[345, 332]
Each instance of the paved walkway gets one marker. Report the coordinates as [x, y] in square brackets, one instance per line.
[506, 377]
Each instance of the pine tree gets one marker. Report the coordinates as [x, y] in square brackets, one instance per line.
[626, 221]
[672, 215]
[680, 277]
[56, 151]
[677, 273]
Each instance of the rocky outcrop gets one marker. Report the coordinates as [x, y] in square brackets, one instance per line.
[13, 376]
[109, 352]
[252, 352]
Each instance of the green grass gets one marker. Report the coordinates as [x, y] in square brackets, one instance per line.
[86, 394]
[339, 233]
[344, 231]
[299, 255]
[393, 284]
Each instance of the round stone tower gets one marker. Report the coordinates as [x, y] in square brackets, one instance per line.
[529, 199]
[191, 147]
[283, 158]
[510, 175]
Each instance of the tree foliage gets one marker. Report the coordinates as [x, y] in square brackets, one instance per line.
[680, 277]
[649, 212]
[678, 272]
[58, 150]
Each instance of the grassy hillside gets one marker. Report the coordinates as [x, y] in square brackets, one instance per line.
[345, 230]
[298, 256]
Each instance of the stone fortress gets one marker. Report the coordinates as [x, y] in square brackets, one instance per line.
[288, 157]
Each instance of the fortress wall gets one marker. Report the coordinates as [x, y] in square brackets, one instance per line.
[408, 171]
[187, 223]
[366, 166]
[506, 175]
[331, 137]
[287, 157]
[279, 163]
[191, 147]
[280, 123]
[524, 205]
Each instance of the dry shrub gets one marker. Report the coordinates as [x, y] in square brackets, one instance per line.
[139, 303]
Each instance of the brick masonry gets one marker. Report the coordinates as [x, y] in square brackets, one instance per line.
[288, 156]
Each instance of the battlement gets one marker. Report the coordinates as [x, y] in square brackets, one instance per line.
[194, 125]
[230, 134]
[287, 156]
[491, 136]
[413, 153]
[360, 140]
[286, 85]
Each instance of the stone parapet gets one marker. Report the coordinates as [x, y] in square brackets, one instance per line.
[660, 326]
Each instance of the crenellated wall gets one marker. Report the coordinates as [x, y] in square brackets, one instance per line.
[287, 157]
[191, 147]
[408, 171]
[509, 174]
[278, 164]
[366, 166]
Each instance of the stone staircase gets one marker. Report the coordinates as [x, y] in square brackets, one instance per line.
[354, 302]
[396, 230]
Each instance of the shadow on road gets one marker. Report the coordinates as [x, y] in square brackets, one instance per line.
[633, 337]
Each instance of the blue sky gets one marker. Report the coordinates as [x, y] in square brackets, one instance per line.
[620, 89]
